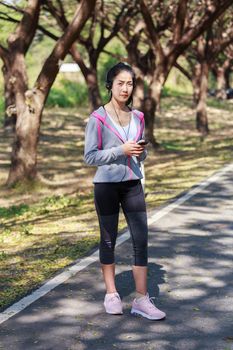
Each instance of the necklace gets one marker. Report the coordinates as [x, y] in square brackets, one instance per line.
[126, 134]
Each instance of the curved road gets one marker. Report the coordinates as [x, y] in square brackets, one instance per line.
[190, 275]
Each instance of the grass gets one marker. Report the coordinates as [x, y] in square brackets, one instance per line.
[220, 104]
[47, 226]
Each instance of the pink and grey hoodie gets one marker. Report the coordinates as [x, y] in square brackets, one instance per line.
[103, 148]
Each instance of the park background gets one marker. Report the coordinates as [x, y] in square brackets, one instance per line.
[48, 222]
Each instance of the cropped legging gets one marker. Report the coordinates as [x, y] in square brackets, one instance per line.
[108, 198]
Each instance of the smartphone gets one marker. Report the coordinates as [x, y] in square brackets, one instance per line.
[142, 142]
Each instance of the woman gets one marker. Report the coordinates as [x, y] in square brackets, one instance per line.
[111, 137]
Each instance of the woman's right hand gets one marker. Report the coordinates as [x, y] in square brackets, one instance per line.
[131, 148]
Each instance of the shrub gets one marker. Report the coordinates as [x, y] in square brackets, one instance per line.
[69, 94]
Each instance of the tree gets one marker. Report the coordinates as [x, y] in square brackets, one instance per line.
[201, 56]
[13, 56]
[93, 39]
[222, 68]
[30, 103]
[142, 59]
[188, 20]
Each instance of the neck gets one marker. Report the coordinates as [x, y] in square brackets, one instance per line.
[118, 105]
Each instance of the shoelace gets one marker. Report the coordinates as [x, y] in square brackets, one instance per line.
[113, 298]
[152, 304]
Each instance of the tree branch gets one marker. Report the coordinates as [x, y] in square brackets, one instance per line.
[180, 20]
[115, 55]
[225, 42]
[5, 17]
[62, 47]
[208, 18]
[183, 71]
[151, 30]
[58, 15]
[26, 28]
[118, 23]
[15, 8]
[39, 27]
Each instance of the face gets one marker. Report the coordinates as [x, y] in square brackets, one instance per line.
[122, 86]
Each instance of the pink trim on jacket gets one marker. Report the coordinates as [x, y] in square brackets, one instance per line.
[103, 120]
[99, 134]
[96, 115]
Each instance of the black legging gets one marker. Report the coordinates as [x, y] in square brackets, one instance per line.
[108, 197]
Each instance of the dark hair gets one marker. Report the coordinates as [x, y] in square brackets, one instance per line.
[114, 71]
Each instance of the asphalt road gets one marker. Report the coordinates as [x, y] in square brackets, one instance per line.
[190, 276]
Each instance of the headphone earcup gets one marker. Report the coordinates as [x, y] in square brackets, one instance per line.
[108, 85]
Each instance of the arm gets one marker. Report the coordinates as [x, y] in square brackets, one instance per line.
[94, 156]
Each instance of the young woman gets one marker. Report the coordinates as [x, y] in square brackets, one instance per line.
[111, 137]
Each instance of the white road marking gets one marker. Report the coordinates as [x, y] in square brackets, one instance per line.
[85, 262]
[203, 184]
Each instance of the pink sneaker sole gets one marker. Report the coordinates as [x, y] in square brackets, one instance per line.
[141, 313]
[114, 313]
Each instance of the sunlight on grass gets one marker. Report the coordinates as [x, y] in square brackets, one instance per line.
[47, 226]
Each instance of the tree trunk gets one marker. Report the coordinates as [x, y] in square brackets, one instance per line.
[196, 80]
[24, 152]
[138, 96]
[149, 109]
[18, 44]
[201, 113]
[90, 76]
[93, 89]
[23, 156]
[9, 96]
[30, 104]
[221, 77]
[157, 90]
[221, 83]
[228, 72]
[152, 102]
[159, 78]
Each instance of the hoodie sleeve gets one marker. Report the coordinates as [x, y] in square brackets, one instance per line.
[144, 154]
[94, 156]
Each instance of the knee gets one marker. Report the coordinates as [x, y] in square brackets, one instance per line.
[106, 252]
[141, 255]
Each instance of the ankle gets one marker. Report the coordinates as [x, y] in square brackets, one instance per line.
[140, 295]
[111, 291]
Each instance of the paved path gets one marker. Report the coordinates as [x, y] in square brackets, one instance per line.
[190, 275]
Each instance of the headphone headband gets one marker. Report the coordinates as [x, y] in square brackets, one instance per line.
[114, 71]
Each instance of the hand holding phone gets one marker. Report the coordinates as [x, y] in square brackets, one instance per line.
[142, 142]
